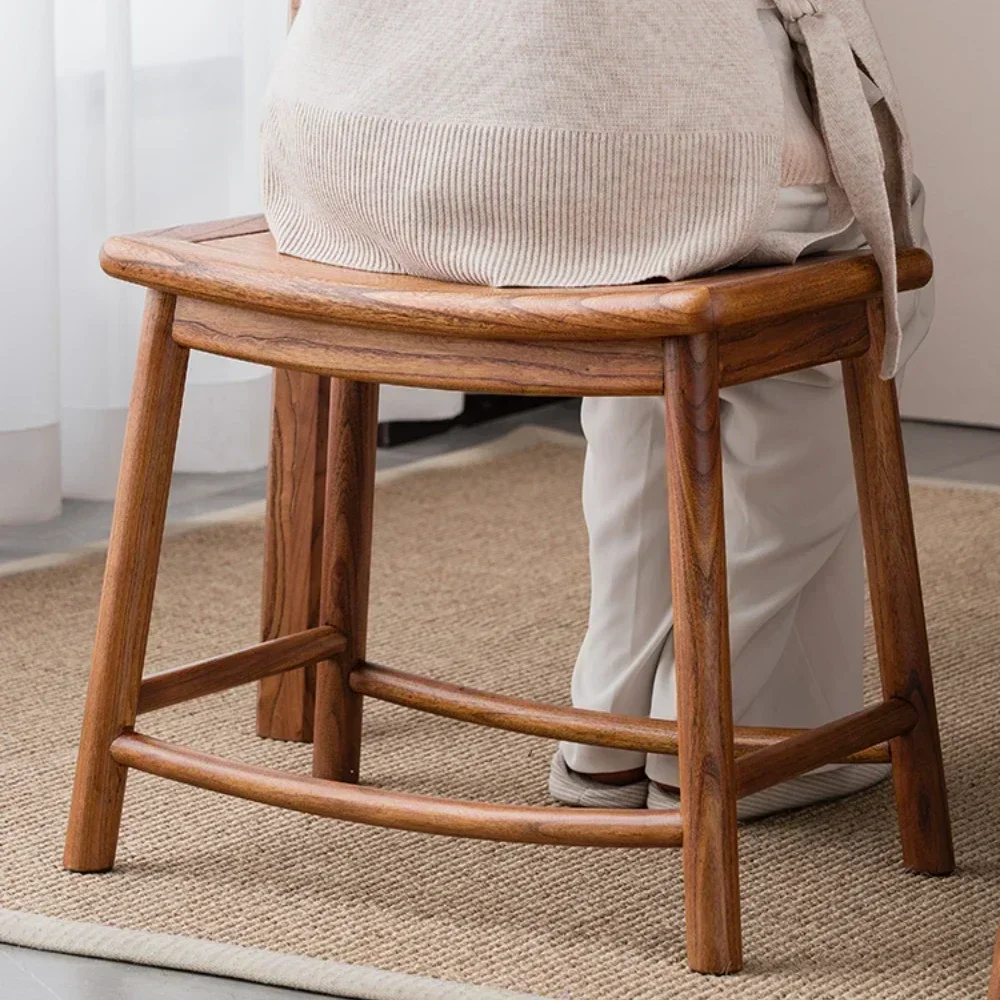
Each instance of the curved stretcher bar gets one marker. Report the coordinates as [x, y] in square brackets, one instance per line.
[520, 715]
[399, 811]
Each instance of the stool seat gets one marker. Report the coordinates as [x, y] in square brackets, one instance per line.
[238, 297]
[235, 262]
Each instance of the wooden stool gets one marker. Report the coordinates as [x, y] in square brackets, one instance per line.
[222, 288]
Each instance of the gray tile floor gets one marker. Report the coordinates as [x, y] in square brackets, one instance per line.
[26, 974]
[969, 454]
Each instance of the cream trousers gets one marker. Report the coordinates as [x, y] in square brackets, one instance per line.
[793, 541]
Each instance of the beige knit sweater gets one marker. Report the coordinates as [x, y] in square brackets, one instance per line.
[549, 142]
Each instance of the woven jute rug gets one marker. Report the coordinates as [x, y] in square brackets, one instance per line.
[480, 576]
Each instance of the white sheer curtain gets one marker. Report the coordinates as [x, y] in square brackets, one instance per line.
[121, 116]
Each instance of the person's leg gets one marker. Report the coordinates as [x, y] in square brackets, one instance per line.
[794, 538]
[624, 502]
[796, 648]
[796, 578]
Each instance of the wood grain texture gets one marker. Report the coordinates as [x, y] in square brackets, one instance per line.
[206, 232]
[823, 745]
[293, 545]
[347, 543]
[750, 739]
[897, 606]
[502, 366]
[521, 715]
[240, 298]
[701, 650]
[171, 687]
[247, 271]
[747, 352]
[765, 348]
[127, 595]
[814, 284]
[422, 814]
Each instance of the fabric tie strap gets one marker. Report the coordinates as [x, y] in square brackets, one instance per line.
[854, 147]
[793, 10]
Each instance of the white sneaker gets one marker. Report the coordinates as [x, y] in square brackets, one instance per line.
[805, 790]
[573, 789]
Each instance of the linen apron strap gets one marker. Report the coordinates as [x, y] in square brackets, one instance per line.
[856, 150]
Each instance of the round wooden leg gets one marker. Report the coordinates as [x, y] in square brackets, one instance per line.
[127, 597]
[293, 545]
[701, 648]
[898, 609]
[347, 539]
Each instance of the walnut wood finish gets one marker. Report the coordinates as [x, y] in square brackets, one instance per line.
[813, 748]
[347, 542]
[764, 348]
[619, 368]
[293, 545]
[897, 606]
[376, 807]
[701, 650]
[127, 595]
[245, 271]
[521, 715]
[749, 739]
[399, 358]
[171, 687]
[207, 232]
[813, 285]
[239, 298]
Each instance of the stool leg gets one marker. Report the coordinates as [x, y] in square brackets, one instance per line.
[293, 545]
[127, 595]
[347, 539]
[701, 648]
[897, 606]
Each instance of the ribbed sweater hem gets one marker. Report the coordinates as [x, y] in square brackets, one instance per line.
[501, 205]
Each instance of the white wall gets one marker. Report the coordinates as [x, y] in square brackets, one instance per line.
[944, 58]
